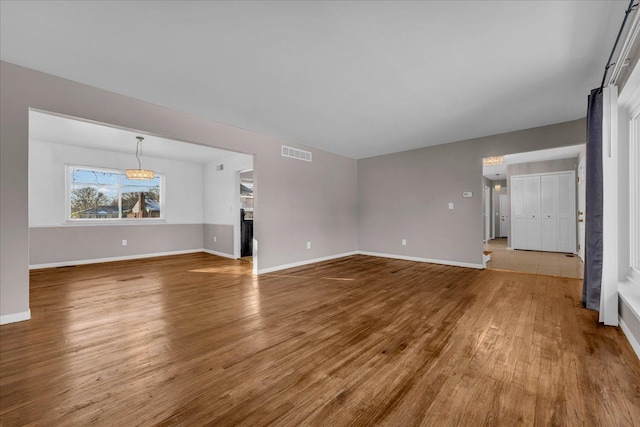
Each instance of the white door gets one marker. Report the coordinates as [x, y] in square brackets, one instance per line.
[566, 212]
[549, 199]
[532, 209]
[582, 169]
[504, 216]
[518, 234]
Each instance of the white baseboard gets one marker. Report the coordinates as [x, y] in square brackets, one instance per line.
[15, 317]
[429, 260]
[222, 254]
[111, 259]
[632, 340]
[310, 261]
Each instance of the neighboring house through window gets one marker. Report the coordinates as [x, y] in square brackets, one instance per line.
[107, 194]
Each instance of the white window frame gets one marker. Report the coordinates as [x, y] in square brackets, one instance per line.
[119, 220]
[634, 195]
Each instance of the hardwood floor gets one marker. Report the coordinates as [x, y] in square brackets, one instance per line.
[197, 340]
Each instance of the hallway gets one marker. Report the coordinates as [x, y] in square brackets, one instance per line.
[547, 263]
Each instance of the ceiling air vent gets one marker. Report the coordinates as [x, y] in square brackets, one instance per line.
[294, 153]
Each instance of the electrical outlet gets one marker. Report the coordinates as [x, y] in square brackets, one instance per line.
[124, 242]
[404, 242]
[308, 245]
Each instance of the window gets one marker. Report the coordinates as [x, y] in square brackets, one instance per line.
[106, 194]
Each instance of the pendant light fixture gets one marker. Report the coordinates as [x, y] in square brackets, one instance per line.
[493, 161]
[497, 186]
[139, 173]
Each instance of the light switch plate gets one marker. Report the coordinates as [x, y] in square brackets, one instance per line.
[450, 205]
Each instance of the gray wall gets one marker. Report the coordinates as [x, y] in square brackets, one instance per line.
[223, 234]
[76, 243]
[317, 200]
[405, 195]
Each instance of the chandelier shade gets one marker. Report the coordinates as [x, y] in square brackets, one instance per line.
[140, 174]
[493, 160]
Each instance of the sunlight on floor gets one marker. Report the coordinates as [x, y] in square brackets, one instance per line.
[306, 277]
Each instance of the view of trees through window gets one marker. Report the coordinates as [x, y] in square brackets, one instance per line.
[108, 194]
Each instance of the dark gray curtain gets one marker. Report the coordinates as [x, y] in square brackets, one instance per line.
[593, 210]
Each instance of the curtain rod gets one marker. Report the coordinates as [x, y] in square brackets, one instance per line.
[615, 45]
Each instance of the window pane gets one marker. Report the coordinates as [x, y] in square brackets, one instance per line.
[140, 199]
[94, 194]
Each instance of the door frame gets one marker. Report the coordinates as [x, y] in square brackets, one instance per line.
[487, 213]
[237, 233]
[581, 203]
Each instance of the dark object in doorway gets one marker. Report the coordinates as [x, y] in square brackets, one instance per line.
[569, 255]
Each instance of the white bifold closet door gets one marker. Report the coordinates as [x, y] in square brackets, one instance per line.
[543, 212]
[549, 201]
[532, 206]
[518, 235]
[566, 212]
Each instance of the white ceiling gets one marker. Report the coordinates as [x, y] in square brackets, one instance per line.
[61, 130]
[569, 152]
[355, 78]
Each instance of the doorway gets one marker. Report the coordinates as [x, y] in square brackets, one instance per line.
[246, 215]
[563, 258]
[191, 205]
[487, 213]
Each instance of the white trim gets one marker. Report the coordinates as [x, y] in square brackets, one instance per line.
[569, 171]
[485, 259]
[629, 292]
[609, 290]
[632, 340]
[300, 263]
[111, 259]
[222, 254]
[15, 317]
[429, 260]
[629, 43]
[630, 95]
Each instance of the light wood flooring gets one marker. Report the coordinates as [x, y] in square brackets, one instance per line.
[549, 263]
[197, 340]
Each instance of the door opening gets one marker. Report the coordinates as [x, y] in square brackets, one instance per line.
[246, 214]
[537, 226]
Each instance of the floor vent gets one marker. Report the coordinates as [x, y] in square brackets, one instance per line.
[294, 153]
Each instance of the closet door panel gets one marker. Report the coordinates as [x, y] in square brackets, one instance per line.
[532, 207]
[566, 213]
[549, 199]
[518, 214]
